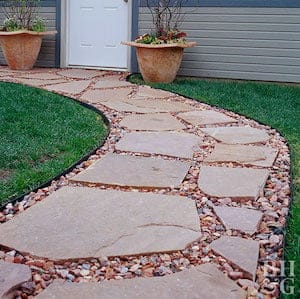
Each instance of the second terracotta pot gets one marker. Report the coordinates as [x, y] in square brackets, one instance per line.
[159, 63]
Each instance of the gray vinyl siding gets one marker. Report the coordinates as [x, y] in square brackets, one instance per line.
[47, 54]
[240, 43]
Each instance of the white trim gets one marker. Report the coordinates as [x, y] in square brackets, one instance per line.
[64, 56]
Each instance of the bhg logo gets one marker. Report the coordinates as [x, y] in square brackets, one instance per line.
[286, 277]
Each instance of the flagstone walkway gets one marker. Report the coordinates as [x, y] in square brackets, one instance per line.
[191, 193]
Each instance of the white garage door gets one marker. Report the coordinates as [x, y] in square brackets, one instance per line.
[96, 28]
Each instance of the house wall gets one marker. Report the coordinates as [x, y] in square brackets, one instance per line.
[255, 43]
[50, 45]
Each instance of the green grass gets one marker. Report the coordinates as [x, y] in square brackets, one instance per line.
[41, 135]
[277, 105]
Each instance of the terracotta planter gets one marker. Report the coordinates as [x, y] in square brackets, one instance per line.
[21, 48]
[159, 63]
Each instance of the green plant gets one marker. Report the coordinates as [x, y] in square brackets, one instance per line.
[167, 17]
[22, 14]
[11, 24]
[39, 24]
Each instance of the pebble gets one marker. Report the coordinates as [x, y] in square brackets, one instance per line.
[235, 275]
[123, 270]
[37, 278]
[84, 272]
[11, 253]
[86, 266]
[274, 239]
[63, 273]
[245, 283]
[134, 268]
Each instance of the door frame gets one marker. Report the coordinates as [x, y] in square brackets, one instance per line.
[64, 47]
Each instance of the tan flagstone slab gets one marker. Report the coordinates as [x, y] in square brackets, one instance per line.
[237, 183]
[82, 222]
[244, 154]
[73, 87]
[150, 106]
[175, 144]
[243, 253]
[237, 135]
[111, 82]
[11, 277]
[41, 76]
[97, 96]
[152, 122]
[206, 117]
[145, 92]
[201, 282]
[37, 82]
[242, 219]
[80, 73]
[115, 169]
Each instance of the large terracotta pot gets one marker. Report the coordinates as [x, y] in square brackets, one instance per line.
[21, 48]
[159, 63]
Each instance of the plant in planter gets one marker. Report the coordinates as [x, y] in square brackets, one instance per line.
[160, 52]
[22, 33]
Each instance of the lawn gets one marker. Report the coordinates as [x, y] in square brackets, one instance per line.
[277, 105]
[41, 135]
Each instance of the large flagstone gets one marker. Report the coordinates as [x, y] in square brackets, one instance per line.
[245, 154]
[206, 117]
[176, 144]
[152, 122]
[114, 169]
[98, 96]
[111, 82]
[85, 222]
[238, 183]
[38, 83]
[41, 76]
[74, 87]
[237, 135]
[148, 106]
[201, 282]
[146, 92]
[243, 253]
[80, 73]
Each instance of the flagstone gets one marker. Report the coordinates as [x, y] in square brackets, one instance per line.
[40, 76]
[82, 222]
[152, 122]
[145, 92]
[237, 135]
[11, 277]
[201, 282]
[38, 83]
[243, 253]
[206, 117]
[120, 100]
[98, 96]
[245, 154]
[237, 183]
[80, 73]
[242, 219]
[176, 144]
[115, 169]
[74, 87]
[111, 82]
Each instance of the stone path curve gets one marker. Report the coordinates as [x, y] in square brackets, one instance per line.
[182, 201]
